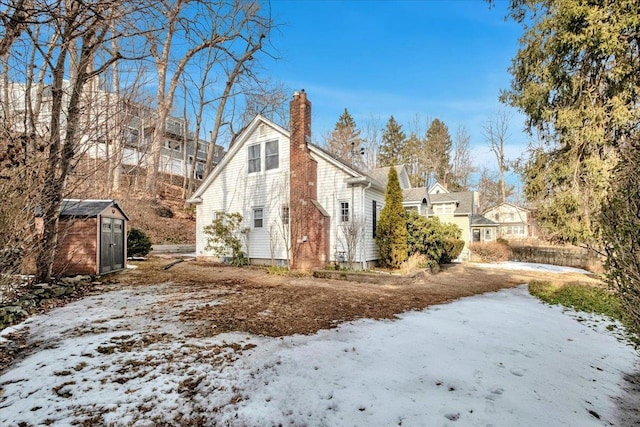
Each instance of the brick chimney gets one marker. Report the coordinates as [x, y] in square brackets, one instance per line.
[309, 222]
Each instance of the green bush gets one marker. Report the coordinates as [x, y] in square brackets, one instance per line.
[224, 236]
[452, 250]
[439, 242]
[138, 243]
[391, 231]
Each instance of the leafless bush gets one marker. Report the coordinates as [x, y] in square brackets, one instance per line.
[490, 252]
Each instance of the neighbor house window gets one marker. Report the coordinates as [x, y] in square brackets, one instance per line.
[285, 215]
[258, 217]
[344, 211]
[476, 235]
[487, 235]
[173, 145]
[445, 208]
[254, 158]
[271, 155]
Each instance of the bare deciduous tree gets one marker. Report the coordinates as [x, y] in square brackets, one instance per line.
[496, 134]
[461, 159]
[351, 235]
[235, 30]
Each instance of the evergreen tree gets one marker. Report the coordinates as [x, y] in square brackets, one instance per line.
[576, 77]
[393, 141]
[412, 158]
[438, 151]
[391, 232]
[345, 141]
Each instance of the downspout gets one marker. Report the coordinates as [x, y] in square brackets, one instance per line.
[364, 224]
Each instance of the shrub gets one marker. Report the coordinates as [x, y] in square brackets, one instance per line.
[138, 243]
[391, 231]
[223, 234]
[490, 251]
[164, 212]
[502, 241]
[417, 261]
[452, 250]
[439, 242]
[620, 229]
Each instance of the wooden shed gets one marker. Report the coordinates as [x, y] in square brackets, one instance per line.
[92, 237]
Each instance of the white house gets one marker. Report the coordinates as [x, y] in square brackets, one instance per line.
[300, 204]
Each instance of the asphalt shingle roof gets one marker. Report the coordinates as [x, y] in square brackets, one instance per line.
[480, 221]
[86, 208]
[415, 194]
[463, 198]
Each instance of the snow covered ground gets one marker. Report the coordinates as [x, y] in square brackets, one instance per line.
[531, 266]
[498, 359]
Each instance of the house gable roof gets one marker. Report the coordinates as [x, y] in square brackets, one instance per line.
[235, 147]
[417, 195]
[437, 188]
[505, 204]
[463, 199]
[345, 166]
[381, 175]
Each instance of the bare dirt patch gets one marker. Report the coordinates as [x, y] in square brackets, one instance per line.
[250, 300]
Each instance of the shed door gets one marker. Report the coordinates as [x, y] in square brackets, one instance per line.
[112, 245]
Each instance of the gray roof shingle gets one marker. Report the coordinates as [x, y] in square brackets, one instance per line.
[86, 208]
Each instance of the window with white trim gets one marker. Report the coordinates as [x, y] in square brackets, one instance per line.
[344, 211]
[271, 155]
[254, 158]
[285, 215]
[443, 208]
[258, 217]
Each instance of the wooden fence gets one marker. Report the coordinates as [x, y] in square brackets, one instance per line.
[557, 255]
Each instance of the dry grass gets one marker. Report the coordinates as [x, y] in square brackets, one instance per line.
[490, 252]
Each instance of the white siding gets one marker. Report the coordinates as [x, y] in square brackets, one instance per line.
[371, 250]
[235, 190]
[332, 189]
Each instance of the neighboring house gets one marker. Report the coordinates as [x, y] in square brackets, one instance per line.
[459, 208]
[108, 117]
[514, 222]
[299, 203]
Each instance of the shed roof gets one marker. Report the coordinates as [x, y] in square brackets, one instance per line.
[87, 208]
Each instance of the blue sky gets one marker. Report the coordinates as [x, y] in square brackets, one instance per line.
[432, 58]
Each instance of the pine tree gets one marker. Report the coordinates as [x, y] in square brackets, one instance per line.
[345, 141]
[438, 151]
[393, 141]
[412, 158]
[391, 232]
